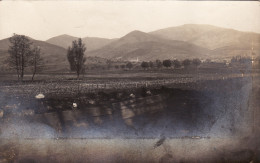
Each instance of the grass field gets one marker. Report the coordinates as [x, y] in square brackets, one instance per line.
[116, 110]
[195, 90]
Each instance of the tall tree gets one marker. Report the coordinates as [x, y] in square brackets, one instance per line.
[19, 51]
[167, 63]
[76, 57]
[36, 62]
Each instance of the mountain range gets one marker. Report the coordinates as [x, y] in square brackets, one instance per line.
[148, 47]
[207, 36]
[186, 41]
[223, 42]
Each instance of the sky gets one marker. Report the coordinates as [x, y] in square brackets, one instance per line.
[113, 19]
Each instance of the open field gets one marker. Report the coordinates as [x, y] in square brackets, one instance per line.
[190, 97]
[130, 112]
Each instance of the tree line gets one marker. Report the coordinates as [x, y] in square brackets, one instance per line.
[171, 63]
[148, 64]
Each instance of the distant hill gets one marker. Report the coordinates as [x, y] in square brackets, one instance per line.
[92, 43]
[55, 57]
[148, 47]
[62, 40]
[228, 52]
[186, 41]
[208, 36]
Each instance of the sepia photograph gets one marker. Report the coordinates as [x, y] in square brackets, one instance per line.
[129, 81]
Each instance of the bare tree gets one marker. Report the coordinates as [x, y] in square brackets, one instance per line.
[36, 62]
[19, 51]
[76, 57]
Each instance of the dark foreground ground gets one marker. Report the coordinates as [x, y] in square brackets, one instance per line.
[129, 150]
[192, 118]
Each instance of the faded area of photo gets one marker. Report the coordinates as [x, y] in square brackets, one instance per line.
[153, 90]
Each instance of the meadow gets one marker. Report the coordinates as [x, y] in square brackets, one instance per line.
[136, 109]
[190, 97]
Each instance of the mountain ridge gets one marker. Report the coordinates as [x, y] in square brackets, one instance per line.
[146, 46]
[187, 41]
[92, 43]
[208, 36]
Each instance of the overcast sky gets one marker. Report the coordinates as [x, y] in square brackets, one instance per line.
[113, 19]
